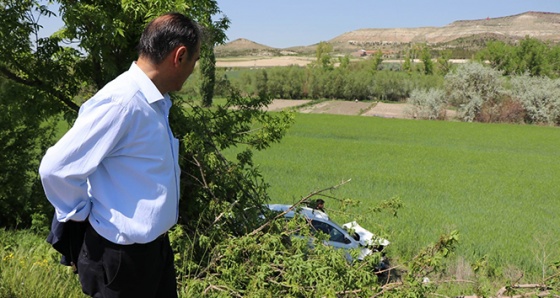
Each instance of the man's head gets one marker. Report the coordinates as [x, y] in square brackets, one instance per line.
[165, 33]
[168, 50]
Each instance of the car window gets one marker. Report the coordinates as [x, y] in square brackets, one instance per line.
[334, 234]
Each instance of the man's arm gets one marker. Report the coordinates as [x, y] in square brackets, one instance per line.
[66, 166]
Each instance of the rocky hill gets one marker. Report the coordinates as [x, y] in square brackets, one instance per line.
[540, 25]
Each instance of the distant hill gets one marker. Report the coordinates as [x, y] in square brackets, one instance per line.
[463, 33]
[242, 47]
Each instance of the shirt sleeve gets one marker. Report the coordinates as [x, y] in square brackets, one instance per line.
[65, 168]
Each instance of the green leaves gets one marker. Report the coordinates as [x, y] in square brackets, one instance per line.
[530, 56]
[266, 264]
[430, 259]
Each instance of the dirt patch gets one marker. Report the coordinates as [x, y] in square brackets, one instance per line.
[389, 110]
[340, 107]
[282, 104]
[356, 108]
[265, 62]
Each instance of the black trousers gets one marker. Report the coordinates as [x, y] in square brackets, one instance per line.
[111, 270]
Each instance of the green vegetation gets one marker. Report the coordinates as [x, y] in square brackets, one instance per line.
[360, 81]
[530, 56]
[496, 184]
[29, 268]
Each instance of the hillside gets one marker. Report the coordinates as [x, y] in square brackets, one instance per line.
[243, 47]
[540, 25]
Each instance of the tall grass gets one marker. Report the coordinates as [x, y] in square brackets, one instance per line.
[497, 184]
[29, 268]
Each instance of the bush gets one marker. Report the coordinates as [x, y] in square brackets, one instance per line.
[504, 111]
[470, 86]
[277, 264]
[539, 96]
[430, 104]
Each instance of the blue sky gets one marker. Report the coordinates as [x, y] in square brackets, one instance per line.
[287, 23]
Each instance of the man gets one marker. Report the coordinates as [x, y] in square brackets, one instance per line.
[117, 168]
[320, 205]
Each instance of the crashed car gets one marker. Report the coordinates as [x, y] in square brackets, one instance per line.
[350, 236]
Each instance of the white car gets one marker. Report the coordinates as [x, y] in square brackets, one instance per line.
[349, 236]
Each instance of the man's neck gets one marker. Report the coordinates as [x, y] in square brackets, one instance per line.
[154, 73]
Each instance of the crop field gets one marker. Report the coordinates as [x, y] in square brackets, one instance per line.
[496, 184]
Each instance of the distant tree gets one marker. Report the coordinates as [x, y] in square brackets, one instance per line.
[407, 63]
[376, 61]
[323, 55]
[443, 63]
[214, 34]
[207, 66]
[261, 80]
[500, 55]
[344, 61]
[531, 56]
[426, 58]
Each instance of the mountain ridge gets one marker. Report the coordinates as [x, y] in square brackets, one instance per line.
[541, 25]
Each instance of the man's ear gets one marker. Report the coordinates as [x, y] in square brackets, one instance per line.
[180, 53]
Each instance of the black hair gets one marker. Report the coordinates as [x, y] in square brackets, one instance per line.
[163, 34]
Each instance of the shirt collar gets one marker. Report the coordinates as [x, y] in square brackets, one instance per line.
[146, 85]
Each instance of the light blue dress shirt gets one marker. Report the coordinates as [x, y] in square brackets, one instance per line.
[118, 164]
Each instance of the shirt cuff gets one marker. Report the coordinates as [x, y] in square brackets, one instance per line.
[80, 213]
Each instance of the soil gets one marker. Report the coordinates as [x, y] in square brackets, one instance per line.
[258, 62]
[377, 109]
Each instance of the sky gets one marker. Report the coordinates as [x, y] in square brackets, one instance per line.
[287, 23]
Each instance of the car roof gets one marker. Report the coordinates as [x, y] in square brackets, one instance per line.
[306, 211]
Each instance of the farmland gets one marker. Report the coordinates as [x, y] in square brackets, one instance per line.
[494, 183]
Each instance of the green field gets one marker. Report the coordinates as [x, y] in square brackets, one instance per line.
[496, 184]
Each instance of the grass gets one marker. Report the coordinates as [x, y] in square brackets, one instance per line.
[495, 183]
[29, 268]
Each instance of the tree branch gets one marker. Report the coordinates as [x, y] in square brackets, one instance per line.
[295, 205]
[38, 84]
[12, 76]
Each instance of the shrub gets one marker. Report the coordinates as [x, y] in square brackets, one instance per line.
[540, 97]
[428, 104]
[470, 86]
[504, 111]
